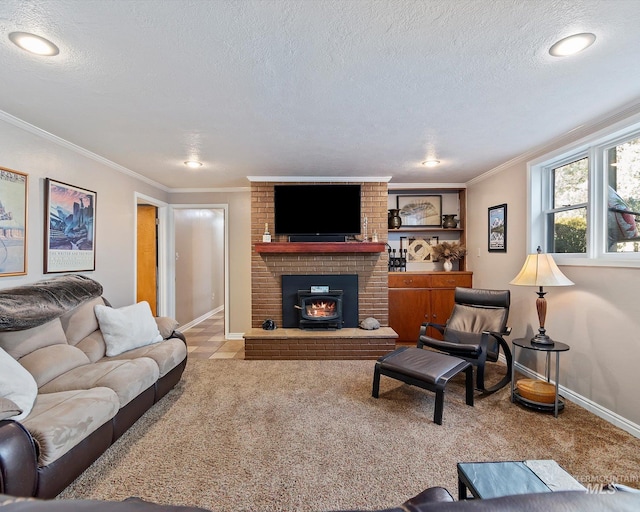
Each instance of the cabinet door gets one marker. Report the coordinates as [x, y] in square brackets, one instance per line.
[441, 305]
[408, 308]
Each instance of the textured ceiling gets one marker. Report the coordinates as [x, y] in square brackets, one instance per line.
[316, 87]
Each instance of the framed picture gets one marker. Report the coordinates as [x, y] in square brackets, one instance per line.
[70, 228]
[13, 222]
[420, 211]
[498, 228]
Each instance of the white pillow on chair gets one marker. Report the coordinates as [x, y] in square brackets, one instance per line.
[127, 328]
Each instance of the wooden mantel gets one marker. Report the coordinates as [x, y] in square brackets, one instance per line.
[318, 247]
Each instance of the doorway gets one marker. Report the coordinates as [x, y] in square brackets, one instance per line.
[147, 256]
[200, 238]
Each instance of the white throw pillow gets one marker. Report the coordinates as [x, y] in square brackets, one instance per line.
[127, 328]
[17, 384]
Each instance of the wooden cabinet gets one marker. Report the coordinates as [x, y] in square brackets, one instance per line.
[418, 297]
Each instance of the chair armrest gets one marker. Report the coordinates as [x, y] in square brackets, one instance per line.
[423, 332]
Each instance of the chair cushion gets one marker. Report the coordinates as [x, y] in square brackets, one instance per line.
[47, 363]
[477, 319]
[420, 364]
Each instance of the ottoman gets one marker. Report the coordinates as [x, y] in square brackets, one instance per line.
[425, 369]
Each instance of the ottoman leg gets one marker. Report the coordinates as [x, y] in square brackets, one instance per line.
[376, 382]
[469, 385]
[437, 412]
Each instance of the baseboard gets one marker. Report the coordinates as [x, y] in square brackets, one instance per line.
[235, 336]
[200, 319]
[589, 405]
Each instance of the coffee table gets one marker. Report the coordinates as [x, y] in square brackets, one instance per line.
[495, 479]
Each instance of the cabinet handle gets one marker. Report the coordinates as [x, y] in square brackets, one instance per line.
[408, 281]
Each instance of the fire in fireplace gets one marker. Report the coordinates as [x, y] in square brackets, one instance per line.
[317, 301]
[320, 310]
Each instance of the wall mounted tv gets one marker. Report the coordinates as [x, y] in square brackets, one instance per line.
[317, 210]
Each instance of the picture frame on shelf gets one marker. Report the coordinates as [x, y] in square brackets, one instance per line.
[497, 228]
[14, 186]
[422, 211]
[70, 228]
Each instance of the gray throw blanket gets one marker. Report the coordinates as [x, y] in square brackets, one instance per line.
[24, 307]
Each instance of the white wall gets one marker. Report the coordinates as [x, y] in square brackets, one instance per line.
[599, 317]
[40, 157]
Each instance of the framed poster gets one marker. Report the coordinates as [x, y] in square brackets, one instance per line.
[70, 228]
[13, 222]
[498, 228]
[420, 211]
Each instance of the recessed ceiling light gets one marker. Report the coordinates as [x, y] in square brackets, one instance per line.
[34, 44]
[431, 163]
[193, 164]
[572, 44]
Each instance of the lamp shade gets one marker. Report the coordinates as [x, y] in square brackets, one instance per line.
[540, 270]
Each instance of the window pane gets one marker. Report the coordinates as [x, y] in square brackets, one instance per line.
[571, 183]
[624, 197]
[569, 230]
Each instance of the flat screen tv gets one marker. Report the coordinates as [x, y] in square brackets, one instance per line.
[317, 209]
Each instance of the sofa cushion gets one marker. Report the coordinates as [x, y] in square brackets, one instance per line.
[21, 343]
[81, 322]
[128, 327]
[59, 421]
[128, 378]
[8, 408]
[167, 355]
[17, 384]
[93, 346]
[45, 364]
[166, 326]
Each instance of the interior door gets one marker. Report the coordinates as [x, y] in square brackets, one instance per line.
[147, 256]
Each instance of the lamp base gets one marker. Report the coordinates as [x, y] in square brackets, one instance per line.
[542, 339]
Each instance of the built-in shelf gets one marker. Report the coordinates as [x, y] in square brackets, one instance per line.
[318, 247]
[424, 230]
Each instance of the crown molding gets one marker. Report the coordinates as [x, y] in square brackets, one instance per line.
[316, 179]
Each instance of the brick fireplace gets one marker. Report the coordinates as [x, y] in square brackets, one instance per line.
[267, 269]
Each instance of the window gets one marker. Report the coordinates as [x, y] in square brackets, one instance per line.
[623, 197]
[585, 200]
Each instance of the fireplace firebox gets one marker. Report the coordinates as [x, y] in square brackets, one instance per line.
[320, 310]
[320, 301]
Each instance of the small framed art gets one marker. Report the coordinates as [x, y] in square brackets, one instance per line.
[498, 228]
[70, 228]
[13, 222]
[421, 211]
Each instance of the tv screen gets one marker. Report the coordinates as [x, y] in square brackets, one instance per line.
[317, 209]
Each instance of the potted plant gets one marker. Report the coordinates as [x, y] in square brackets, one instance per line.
[447, 252]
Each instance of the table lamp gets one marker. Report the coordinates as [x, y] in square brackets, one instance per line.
[540, 270]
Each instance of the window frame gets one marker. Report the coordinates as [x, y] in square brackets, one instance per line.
[540, 191]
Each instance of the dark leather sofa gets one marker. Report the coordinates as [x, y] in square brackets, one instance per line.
[434, 499]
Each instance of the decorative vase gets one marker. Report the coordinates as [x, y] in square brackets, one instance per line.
[447, 265]
[393, 219]
[448, 221]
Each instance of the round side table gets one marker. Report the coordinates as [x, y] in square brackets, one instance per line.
[556, 348]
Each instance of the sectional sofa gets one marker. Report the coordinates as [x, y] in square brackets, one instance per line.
[75, 374]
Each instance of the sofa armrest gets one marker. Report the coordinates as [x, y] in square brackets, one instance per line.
[18, 460]
[179, 335]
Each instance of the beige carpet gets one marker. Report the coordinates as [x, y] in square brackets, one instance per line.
[306, 435]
